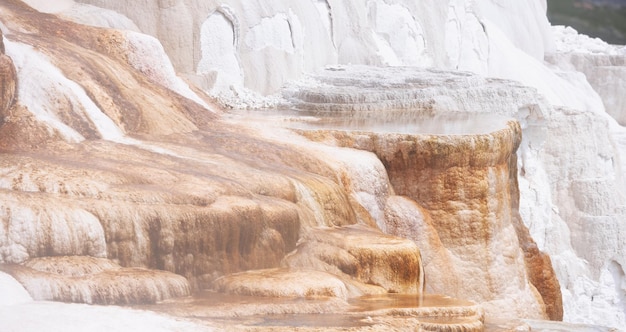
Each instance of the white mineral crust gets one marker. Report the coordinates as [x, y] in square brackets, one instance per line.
[573, 158]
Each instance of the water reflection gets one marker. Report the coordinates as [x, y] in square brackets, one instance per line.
[319, 312]
[315, 320]
[404, 301]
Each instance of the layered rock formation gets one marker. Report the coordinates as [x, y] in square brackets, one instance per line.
[107, 147]
[462, 176]
[370, 262]
[93, 168]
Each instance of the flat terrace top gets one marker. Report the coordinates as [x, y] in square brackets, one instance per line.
[396, 122]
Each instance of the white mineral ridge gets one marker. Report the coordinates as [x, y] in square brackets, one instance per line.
[96, 16]
[398, 37]
[603, 65]
[524, 23]
[508, 61]
[575, 193]
[41, 82]
[146, 54]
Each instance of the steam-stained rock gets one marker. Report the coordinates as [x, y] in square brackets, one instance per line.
[1, 43]
[465, 185]
[356, 259]
[405, 217]
[8, 83]
[82, 80]
[172, 218]
[95, 281]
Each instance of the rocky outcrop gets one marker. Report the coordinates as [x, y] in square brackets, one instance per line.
[93, 105]
[460, 169]
[466, 186]
[355, 260]
[130, 216]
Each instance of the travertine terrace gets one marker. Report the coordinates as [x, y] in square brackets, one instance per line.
[401, 165]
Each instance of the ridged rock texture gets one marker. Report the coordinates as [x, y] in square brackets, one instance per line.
[466, 193]
[461, 176]
[368, 261]
[151, 180]
[230, 44]
[282, 283]
[106, 152]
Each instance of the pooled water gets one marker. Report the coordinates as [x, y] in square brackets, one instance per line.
[400, 122]
[399, 301]
[315, 312]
